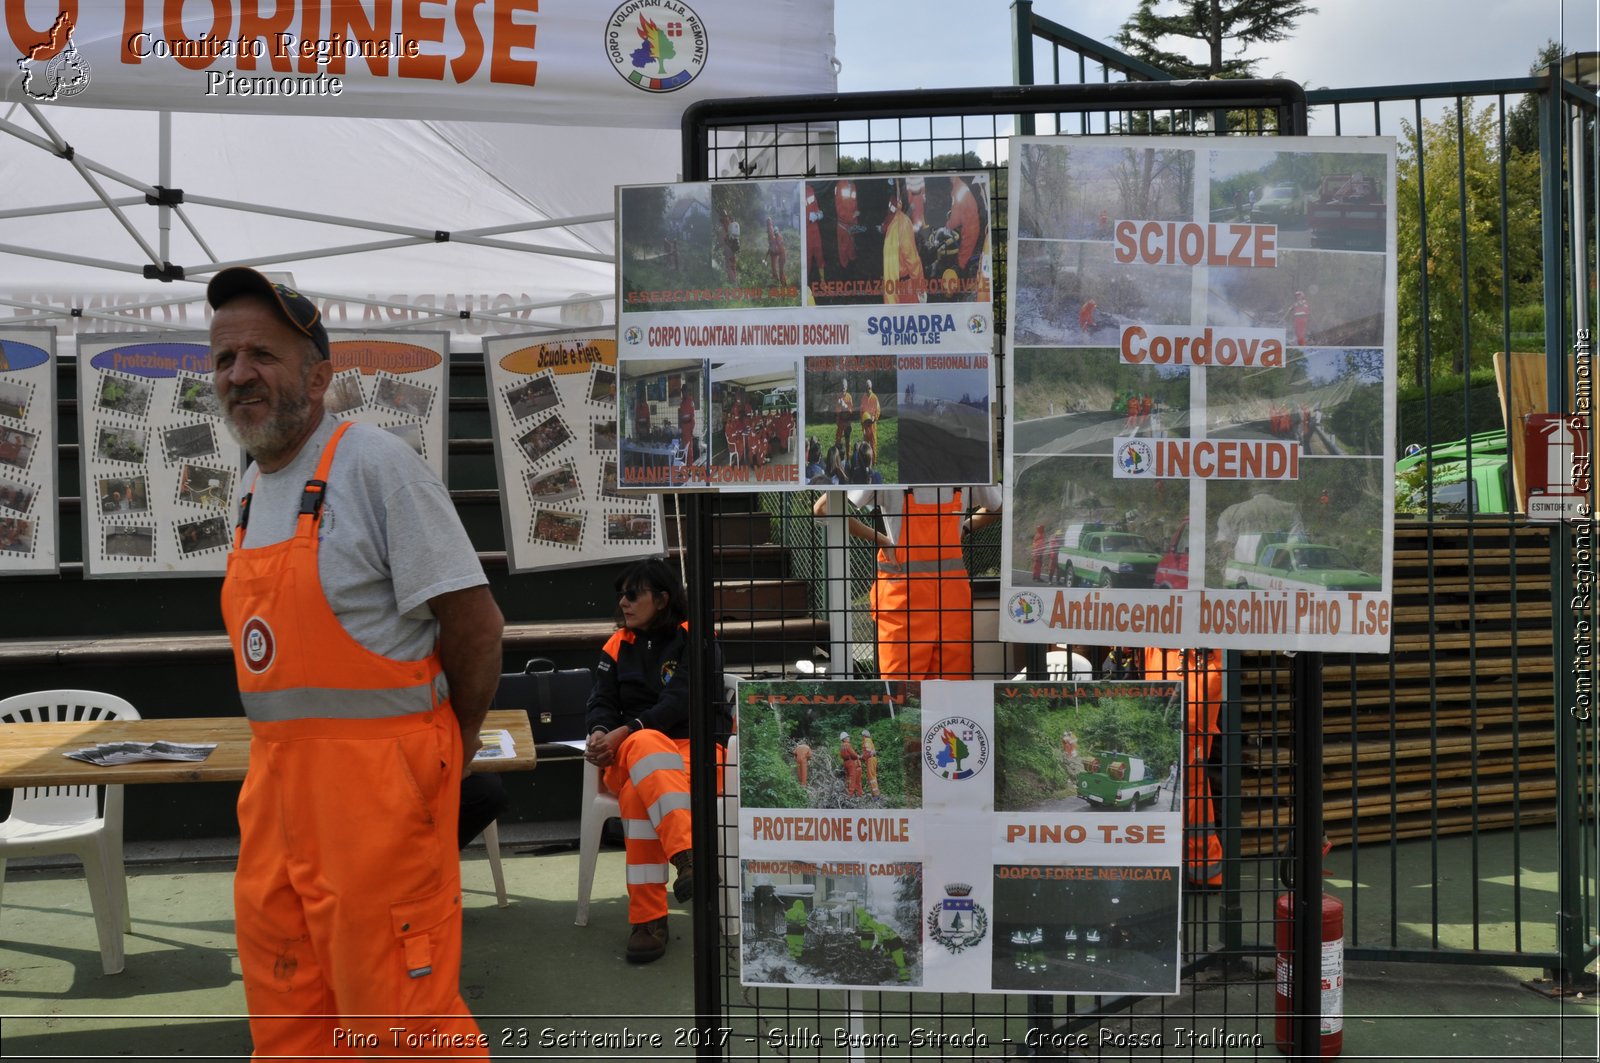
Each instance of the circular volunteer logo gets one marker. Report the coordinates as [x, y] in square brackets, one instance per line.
[258, 645]
[655, 46]
[955, 748]
[1135, 458]
[977, 324]
[633, 336]
[1026, 608]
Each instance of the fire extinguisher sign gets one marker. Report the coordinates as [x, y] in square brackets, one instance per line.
[1558, 470]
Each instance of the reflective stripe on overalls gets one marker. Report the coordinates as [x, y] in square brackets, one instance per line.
[347, 896]
[650, 777]
[922, 600]
[1202, 696]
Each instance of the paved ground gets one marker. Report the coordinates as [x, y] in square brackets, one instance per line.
[533, 977]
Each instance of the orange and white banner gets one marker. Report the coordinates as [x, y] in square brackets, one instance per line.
[633, 63]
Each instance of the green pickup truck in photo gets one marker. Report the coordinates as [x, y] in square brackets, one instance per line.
[1098, 555]
[1271, 561]
[1117, 781]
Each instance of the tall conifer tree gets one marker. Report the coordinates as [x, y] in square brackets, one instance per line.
[1157, 29]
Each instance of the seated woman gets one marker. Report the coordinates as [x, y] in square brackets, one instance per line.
[638, 724]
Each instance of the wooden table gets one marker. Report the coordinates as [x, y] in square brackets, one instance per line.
[32, 754]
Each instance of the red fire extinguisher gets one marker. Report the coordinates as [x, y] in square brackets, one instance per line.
[1331, 1041]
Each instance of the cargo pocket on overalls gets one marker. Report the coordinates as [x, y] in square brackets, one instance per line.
[416, 925]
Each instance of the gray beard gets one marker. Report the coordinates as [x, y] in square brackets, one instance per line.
[272, 438]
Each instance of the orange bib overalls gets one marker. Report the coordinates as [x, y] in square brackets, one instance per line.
[922, 600]
[1202, 693]
[347, 897]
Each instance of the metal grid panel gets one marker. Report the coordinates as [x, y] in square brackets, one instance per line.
[1227, 933]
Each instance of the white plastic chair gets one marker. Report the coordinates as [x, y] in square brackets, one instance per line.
[491, 842]
[600, 804]
[71, 819]
[1061, 666]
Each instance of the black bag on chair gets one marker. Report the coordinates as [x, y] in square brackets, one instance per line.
[555, 701]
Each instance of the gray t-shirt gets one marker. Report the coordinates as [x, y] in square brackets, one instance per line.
[891, 503]
[390, 537]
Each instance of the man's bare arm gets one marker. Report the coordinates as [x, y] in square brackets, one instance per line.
[470, 625]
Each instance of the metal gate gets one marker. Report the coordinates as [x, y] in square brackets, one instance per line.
[1470, 753]
[1227, 932]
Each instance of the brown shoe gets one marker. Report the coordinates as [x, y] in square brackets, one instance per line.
[683, 885]
[648, 941]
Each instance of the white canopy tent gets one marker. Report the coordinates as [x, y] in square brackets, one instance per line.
[387, 222]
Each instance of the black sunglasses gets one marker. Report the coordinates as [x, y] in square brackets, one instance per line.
[632, 593]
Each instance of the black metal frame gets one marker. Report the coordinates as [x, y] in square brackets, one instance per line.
[1287, 100]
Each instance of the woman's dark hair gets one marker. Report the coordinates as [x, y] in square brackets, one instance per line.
[860, 466]
[656, 576]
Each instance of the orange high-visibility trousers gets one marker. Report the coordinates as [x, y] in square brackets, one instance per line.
[348, 889]
[347, 897]
[922, 600]
[1202, 693]
[651, 780]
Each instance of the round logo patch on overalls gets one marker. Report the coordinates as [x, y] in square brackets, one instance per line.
[258, 645]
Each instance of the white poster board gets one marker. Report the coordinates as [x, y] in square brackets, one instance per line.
[781, 334]
[158, 467]
[983, 838]
[397, 381]
[1200, 451]
[554, 407]
[29, 539]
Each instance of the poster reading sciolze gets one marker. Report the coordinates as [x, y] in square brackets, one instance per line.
[1200, 444]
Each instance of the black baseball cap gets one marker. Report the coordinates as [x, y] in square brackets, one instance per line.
[299, 311]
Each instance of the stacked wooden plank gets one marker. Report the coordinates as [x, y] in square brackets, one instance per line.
[1454, 730]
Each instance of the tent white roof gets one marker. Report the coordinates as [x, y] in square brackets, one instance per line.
[348, 206]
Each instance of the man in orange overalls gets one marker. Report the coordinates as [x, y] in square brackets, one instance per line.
[922, 598]
[1201, 674]
[686, 410]
[871, 414]
[367, 649]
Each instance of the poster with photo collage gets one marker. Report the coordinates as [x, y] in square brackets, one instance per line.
[554, 406]
[159, 470]
[28, 485]
[782, 334]
[399, 382]
[972, 837]
[1200, 443]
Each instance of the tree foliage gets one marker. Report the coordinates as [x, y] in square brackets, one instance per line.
[1460, 243]
[1159, 28]
[1522, 121]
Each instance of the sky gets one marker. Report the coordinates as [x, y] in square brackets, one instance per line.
[1347, 43]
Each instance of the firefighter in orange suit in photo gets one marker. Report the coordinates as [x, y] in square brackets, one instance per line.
[922, 596]
[814, 269]
[686, 411]
[846, 216]
[964, 219]
[903, 278]
[367, 650]
[871, 414]
[1201, 674]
